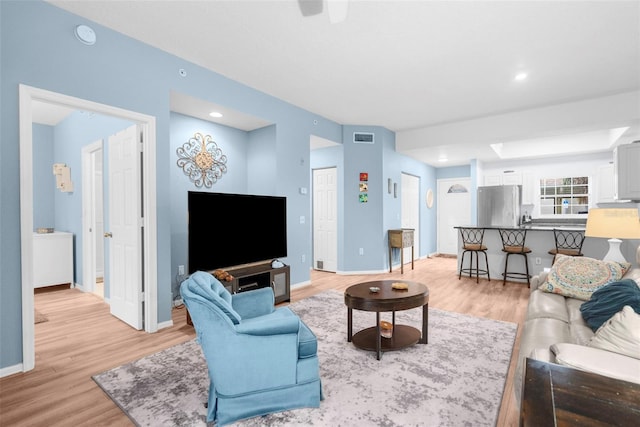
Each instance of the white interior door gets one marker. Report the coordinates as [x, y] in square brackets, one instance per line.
[124, 230]
[410, 211]
[454, 209]
[325, 223]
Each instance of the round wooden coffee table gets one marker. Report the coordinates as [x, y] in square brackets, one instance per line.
[360, 297]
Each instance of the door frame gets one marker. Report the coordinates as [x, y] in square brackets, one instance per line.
[28, 94]
[89, 240]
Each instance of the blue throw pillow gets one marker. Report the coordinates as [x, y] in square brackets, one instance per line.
[608, 300]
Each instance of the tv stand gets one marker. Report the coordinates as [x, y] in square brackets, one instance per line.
[261, 276]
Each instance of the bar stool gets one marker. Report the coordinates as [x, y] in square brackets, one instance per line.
[472, 242]
[513, 243]
[568, 242]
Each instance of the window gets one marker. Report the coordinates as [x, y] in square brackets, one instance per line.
[564, 196]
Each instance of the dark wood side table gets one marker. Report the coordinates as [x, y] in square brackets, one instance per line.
[401, 238]
[387, 299]
[556, 395]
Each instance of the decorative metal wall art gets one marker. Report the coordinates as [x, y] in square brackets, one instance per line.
[202, 160]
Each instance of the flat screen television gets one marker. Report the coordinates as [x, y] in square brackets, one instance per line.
[227, 230]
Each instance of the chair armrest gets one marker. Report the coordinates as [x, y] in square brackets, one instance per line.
[278, 326]
[254, 303]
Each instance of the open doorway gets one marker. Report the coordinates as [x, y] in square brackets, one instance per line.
[93, 218]
[27, 96]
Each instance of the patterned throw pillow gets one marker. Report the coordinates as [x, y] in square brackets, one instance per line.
[579, 277]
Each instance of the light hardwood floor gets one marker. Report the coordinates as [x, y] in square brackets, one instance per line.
[81, 339]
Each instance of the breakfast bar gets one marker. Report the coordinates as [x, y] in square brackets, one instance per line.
[539, 239]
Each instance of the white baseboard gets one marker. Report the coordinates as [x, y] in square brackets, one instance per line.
[10, 370]
[167, 324]
[350, 273]
[301, 284]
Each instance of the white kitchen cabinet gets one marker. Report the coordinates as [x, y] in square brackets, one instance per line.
[627, 171]
[605, 192]
[52, 259]
[491, 180]
[512, 179]
[503, 179]
[529, 191]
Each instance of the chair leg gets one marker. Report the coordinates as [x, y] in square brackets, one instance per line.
[504, 275]
[477, 266]
[486, 262]
[461, 264]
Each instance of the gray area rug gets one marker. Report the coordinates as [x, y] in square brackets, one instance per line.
[457, 379]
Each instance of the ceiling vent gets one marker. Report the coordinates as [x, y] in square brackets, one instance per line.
[363, 138]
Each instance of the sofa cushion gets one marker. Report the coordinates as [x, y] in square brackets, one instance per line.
[545, 305]
[579, 277]
[608, 300]
[598, 361]
[307, 342]
[620, 334]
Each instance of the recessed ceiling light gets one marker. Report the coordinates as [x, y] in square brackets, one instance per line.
[442, 159]
[520, 77]
[215, 114]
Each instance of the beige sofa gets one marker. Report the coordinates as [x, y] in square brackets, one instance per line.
[554, 331]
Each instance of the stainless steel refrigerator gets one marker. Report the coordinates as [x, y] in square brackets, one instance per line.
[499, 206]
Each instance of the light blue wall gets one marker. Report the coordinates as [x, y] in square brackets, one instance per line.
[262, 161]
[233, 143]
[395, 165]
[44, 182]
[453, 172]
[38, 48]
[363, 222]
[365, 225]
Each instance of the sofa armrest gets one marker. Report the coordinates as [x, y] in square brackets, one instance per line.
[603, 362]
[538, 280]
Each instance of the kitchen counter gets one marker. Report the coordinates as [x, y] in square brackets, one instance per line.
[534, 226]
[540, 240]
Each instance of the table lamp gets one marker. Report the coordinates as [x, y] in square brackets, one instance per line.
[614, 224]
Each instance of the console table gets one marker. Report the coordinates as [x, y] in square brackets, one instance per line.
[401, 238]
[556, 395]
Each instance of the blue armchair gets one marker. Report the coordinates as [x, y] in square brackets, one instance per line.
[260, 359]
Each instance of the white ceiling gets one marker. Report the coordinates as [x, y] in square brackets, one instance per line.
[403, 65]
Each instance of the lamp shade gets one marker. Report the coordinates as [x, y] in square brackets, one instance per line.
[613, 223]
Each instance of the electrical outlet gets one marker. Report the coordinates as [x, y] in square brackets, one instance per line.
[181, 270]
[361, 251]
[303, 258]
[538, 260]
